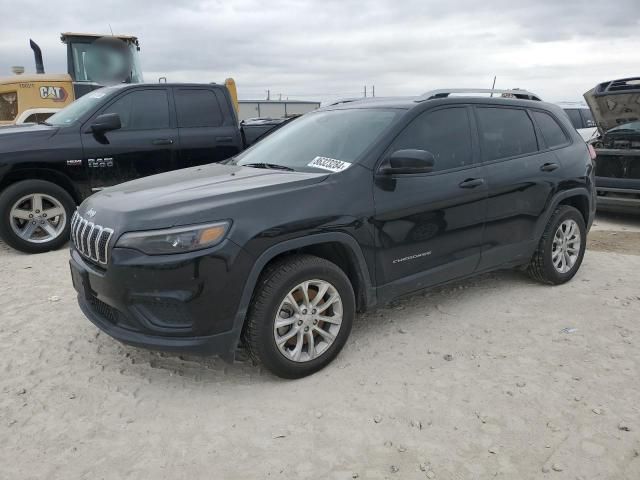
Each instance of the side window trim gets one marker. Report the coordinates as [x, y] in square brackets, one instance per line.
[471, 122]
[479, 133]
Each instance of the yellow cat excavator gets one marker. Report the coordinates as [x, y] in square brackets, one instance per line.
[34, 97]
[93, 61]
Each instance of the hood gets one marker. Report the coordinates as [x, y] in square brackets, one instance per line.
[614, 103]
[190, 196]
[27, 128]
[16, 138]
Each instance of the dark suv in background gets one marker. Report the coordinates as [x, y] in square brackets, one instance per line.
[345, 208]
[108, 136]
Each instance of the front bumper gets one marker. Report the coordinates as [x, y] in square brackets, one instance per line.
[182, 303]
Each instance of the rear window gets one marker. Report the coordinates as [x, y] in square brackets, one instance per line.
[552, 133]
[587, 116]
[574, 116]
[198, 108]
[8, 106]
[505, 132]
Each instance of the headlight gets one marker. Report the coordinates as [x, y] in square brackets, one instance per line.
[175, 240]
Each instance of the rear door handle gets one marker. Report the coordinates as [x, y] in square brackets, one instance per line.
[549, 167]
[472, 183]
[162, 141]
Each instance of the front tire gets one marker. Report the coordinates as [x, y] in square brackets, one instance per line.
[300, 317]
[35, 216]
[561, 248]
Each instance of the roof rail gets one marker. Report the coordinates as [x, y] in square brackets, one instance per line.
[345, 100]
[445, 92]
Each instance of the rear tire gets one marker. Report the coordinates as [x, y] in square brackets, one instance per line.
[313, 335]
[561, 248]
[35, 216]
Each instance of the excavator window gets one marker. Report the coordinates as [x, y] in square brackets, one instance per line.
[8, 106]
[104, 64]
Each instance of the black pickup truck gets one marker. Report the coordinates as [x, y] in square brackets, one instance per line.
[107, 137]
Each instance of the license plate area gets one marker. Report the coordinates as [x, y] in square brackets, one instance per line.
[80, 280]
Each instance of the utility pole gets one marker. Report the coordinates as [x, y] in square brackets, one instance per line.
[365, 91]
[373, 90]
[268, 94]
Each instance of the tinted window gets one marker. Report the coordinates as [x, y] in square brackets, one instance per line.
[505, 132]
[445, 133]
[574, 116]
[198, 108]
[551, 131]
[142, 110]
[587, 117]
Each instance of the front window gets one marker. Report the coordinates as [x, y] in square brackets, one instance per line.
[76, 110]
[8, 106]
[333, 135]
[104, 63]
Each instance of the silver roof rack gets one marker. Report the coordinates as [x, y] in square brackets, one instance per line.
[445, 92]
[345, 100]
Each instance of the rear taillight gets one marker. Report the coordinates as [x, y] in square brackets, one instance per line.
[592, 152]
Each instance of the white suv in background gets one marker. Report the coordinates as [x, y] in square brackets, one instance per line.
[581, 118]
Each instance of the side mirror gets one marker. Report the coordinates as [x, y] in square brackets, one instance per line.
[106, 123]
[406, 162]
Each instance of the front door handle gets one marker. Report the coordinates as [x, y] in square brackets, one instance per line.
[472, 183]
[162, 141]
[549, 167]
[224, 139]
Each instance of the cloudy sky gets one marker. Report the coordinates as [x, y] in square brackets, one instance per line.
[324, 49]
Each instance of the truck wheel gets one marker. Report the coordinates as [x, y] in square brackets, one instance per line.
[300, 317]
[35, 216]
[561, 247]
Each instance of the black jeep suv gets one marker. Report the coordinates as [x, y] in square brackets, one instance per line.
[343, 209]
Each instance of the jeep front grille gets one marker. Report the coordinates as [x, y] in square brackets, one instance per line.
[90, 240]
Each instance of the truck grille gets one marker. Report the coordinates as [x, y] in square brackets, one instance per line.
[90, 240]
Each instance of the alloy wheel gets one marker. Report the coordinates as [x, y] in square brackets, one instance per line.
[566, 246]
[38, 218]
[308, 320]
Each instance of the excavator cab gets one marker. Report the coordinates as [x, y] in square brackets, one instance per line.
[93, 61]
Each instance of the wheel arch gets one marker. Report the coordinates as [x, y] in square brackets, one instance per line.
[577, 197]
[46, 174]
[339, 248]
[579, 202]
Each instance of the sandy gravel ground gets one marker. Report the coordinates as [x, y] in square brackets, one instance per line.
[494, 377]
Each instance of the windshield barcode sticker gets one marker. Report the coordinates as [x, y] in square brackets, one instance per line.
[330, 164]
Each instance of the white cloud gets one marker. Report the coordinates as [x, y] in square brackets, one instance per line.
[327, 48]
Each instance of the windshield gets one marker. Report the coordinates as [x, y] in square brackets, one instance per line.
[71, 113]
[633, 127]
[105, 62]
[320, 141]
